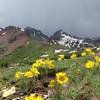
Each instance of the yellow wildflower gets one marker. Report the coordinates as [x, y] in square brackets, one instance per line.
[35, 71]
[26, 98]
[92, 53]
[19, 74]
[88, 50]
[61, 57]
[38, 63]
[33, 97]
[61, 78]
[83, 54]
[52, 83]
[97, 59]
[39, 98]
[49, 63]
[73, 56]
[29, 98]
[90, 64]
[51, 66]
[28, 74]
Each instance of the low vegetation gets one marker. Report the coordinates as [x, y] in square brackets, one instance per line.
[58, 77]
[27, 54]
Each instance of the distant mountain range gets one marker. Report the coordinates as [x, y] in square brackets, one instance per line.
[12, 37]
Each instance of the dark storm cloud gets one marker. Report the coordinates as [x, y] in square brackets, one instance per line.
[80, 17]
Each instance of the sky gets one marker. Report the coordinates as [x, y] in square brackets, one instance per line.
[77, 17]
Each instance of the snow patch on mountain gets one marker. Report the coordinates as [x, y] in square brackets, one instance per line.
[22, 29]
[67, 41]
[0, 29]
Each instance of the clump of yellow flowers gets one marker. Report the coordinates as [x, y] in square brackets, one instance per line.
[44, 63]
[34, 97]
[28, 74]
[34, 72]
[89, 51]
[19, 74]
[90, 64]
[73, 56]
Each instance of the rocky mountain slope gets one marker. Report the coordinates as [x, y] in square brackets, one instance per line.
[35, 34]
[12, 37]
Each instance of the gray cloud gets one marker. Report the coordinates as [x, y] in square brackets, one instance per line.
[81, 17]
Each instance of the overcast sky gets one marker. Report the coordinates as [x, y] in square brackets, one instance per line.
[79, 17]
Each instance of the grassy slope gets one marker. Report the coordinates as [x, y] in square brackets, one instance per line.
[82, 82]
[28, 53]
[24, 55]
[8, 74]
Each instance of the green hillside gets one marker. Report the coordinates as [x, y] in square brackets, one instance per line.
[28, 53]
[83, 82]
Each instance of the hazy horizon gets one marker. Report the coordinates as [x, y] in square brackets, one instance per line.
[79, 18]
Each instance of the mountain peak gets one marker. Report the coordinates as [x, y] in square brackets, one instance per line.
[12, 37]
[34, 33]
[67, 40]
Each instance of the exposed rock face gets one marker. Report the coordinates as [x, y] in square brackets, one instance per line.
[12, 37]
[34, 33]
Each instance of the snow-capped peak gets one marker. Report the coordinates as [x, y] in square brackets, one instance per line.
[69, 41]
